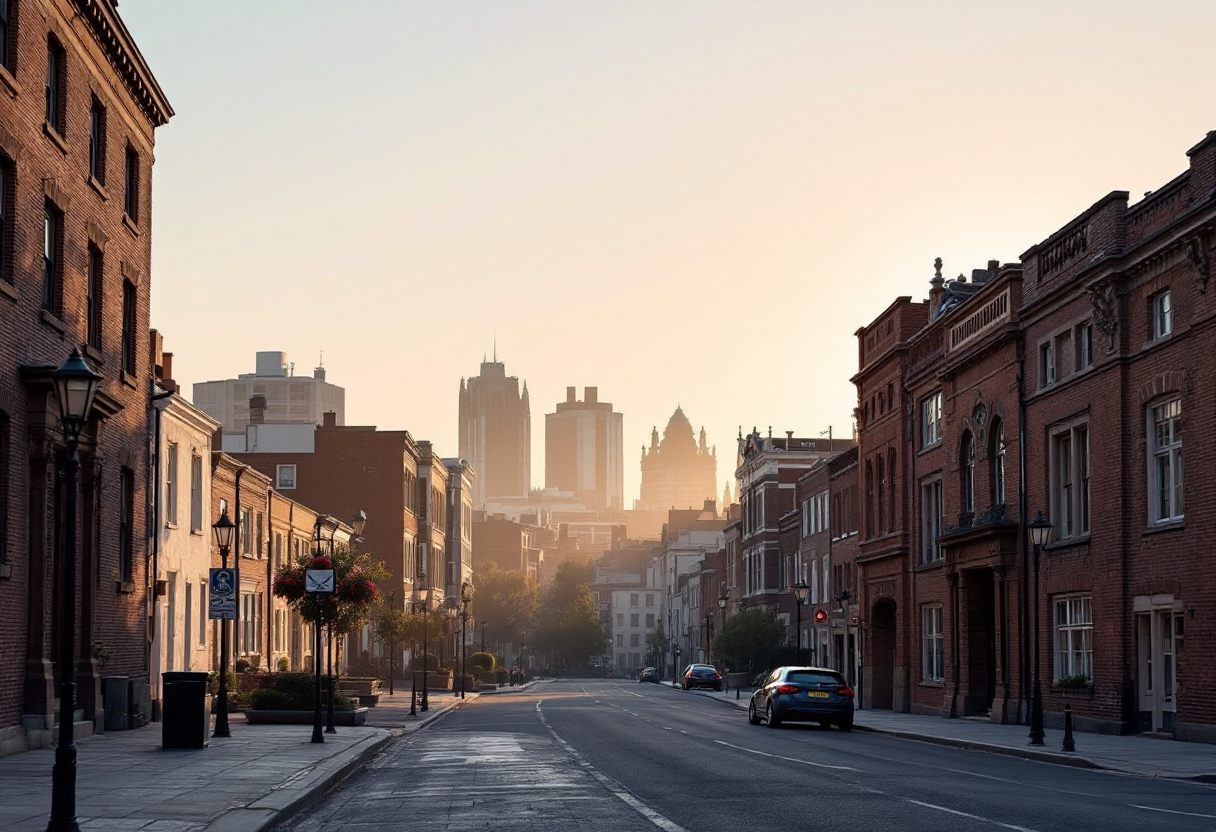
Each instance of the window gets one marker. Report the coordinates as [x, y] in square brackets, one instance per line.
[933, 661]
[649, 621]
[5, 30]
[1074, 636]
[171, 484]
[1163, 315]
[8, 192]
[1070, 481]
[202, 613]
[126, 522]
[932, 516]
[285, 477]
[96, 281]
[5, 464]
[967, 464]
[52, 266]
[246, 531]
[633, 599]
[1085, 346]
[931, 420]
[131, 183]
[97, 142]
[620, 641]
[1047, 365]
[620, 619]
[128, 327]
[635, 640]
[633, 619]
[54, 85]
[650, 599]
[1165, 441]
[869, 499]
[196, 493]
[998, 462]
[890, 489]
[880, 479]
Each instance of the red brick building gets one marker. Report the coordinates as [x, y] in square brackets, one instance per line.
[78, 111]
[1102, 330]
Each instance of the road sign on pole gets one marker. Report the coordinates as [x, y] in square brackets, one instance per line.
[319, 580]
[222, 603]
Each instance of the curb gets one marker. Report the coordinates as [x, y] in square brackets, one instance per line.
[991, 748]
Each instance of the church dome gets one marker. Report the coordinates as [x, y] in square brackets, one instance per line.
[678, 435]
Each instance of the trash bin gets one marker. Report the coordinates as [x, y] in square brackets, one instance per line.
[185, 710]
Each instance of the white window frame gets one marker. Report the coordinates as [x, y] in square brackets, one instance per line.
[1047, 364]
[998, 463]
[932, 644]
[1085, 346]
[969, 468]
[171, 483]
[1163, 315]
[196, 493]
[285, 477]
[931, 420]
[1166, 500]
[932, 519]
[1074, 635]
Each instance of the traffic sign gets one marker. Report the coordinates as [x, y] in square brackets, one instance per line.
[222, 603]
[319, 580]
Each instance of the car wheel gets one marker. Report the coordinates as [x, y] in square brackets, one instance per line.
[752, 717]
[687, 686]
[845, 723]
[773, 721]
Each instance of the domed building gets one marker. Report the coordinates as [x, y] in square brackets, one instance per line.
[678, 471]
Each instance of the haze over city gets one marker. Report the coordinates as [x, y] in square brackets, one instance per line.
[674, 202]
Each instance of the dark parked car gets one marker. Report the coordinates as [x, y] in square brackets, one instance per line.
[806, 694]
[649, 674]
[701, 676]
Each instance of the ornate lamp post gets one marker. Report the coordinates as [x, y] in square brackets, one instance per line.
[1040, 530]
[452, 611]
[75, 386]
[466, 597]
[413, 666]
[223, 530]
[424, 596]
[801, 590]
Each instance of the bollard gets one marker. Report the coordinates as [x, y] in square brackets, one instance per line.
[1069, 743]
[736, 691]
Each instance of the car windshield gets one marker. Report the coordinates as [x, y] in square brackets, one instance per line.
[703, 668]
[814, 677]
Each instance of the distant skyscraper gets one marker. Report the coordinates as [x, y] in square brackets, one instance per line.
[584, 450]
[285, 397]
[679, 471]
[496, 433]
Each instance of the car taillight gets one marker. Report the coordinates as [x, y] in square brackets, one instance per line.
[788, 689]
[845, 691]
[717, 676]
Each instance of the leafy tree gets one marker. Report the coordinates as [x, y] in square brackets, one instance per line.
[750, 640]
[505, 601]
[349, 606]
[657, 647]
[568, 627]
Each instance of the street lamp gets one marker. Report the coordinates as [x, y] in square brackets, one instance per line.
[318, 646]
[329, 653]
[75, 386]
[424, 595]
[359, 522]
[452, 610]
[223, 530]
[1040, 531]
[844, 598]
[466, 596]
[801, 591]
[483, 636]
[675, 667]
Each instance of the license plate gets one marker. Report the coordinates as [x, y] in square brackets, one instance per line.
[817, 694]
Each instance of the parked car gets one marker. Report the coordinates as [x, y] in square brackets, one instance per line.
[649, 674]
[701, 676]
[806, 694]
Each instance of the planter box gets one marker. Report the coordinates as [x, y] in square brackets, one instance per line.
[346, 718]
[435, 680]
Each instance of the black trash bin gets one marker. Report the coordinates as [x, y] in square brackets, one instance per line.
[186, 710]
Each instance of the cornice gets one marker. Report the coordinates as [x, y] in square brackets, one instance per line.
[125, 57]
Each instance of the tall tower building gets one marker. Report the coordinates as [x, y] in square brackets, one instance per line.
[584, 450]
[285, 397]
[679, 471]
[496, 433]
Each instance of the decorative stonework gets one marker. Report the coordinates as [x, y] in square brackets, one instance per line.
[1174, 381]
[56, 194]
[1105, 299]
[96, 235]
[10, 145]
[1197, 255]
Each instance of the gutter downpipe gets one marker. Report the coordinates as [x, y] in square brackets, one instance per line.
[155, 402]
[1023, 502]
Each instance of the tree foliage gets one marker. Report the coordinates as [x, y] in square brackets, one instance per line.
[505, 602]
[750, 640]
[349, 606]
[568, 627]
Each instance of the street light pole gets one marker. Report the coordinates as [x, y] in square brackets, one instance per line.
[483, 636]
[413, 667]
[223, 530]
[1040, 531]
[425, 594]
[317, 736]
[800, 595]
[75, 386]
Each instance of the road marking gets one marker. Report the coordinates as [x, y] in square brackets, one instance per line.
[787, 759]
[967, 815]
[638, 695]
[615, 788]
[1170, 811]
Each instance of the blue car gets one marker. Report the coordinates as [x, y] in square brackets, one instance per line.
[803, 694]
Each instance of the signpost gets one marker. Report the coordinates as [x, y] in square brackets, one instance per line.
[319, 582]
[222, 603]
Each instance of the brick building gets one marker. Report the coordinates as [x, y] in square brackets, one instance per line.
[78, 111]
[1101, 330]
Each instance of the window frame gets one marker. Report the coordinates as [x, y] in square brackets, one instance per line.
[97, 141]
[998, 456]
[8, 183]
[1173, 454]
[95, 296]
[130, 305]
[130, 200]
[126, 524]
[56, 85]
[196, 493]
[932, 644]
[6, 33]
[52, 259]
[1047, 364]
[1162, 307]
[1076, 657]
[1070, 468]
[1085, 346]
[931, 420]
[280, 470]
[967, 466]
[171, 482]
[931, 550]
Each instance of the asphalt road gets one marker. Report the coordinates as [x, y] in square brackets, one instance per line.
[609, 755]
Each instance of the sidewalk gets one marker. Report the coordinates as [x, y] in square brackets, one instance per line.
[259, 776]
[1143, 756]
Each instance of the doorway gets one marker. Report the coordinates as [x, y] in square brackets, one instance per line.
[1156, 642]
[980, 663]
[882, 653]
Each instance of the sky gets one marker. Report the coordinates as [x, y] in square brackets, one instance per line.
[692, 203]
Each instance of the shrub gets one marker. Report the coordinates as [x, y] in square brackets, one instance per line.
[482, 661]
[266, 699]
[283, 664]
[242, 665]
[274, 699]
[1078, 682]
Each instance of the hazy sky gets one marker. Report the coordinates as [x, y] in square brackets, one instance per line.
[677, 202]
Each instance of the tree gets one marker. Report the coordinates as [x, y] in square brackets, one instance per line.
[657, 645]
[751, 640]
[568, 626]
[505, 601]
[349, 606]
[391, 629]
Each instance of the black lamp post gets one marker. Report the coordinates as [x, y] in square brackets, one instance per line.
[223, 530]
[801, 590]
[424, 595]
[675, 668]
[413, 667]
[392, 606]
[466, 596]
[329, 655]
[1040, 531]
[75, 386]
[317, 736]
[844, 598]
[452, 611]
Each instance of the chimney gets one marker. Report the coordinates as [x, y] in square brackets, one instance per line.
[591, 395]
[329, 419]
[994, 266]
[257, 410]
[570, 395]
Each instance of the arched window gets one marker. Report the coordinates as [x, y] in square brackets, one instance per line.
[968, 468]
[998, 462]
[869, 499]
[882, 526]
[891, 487]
